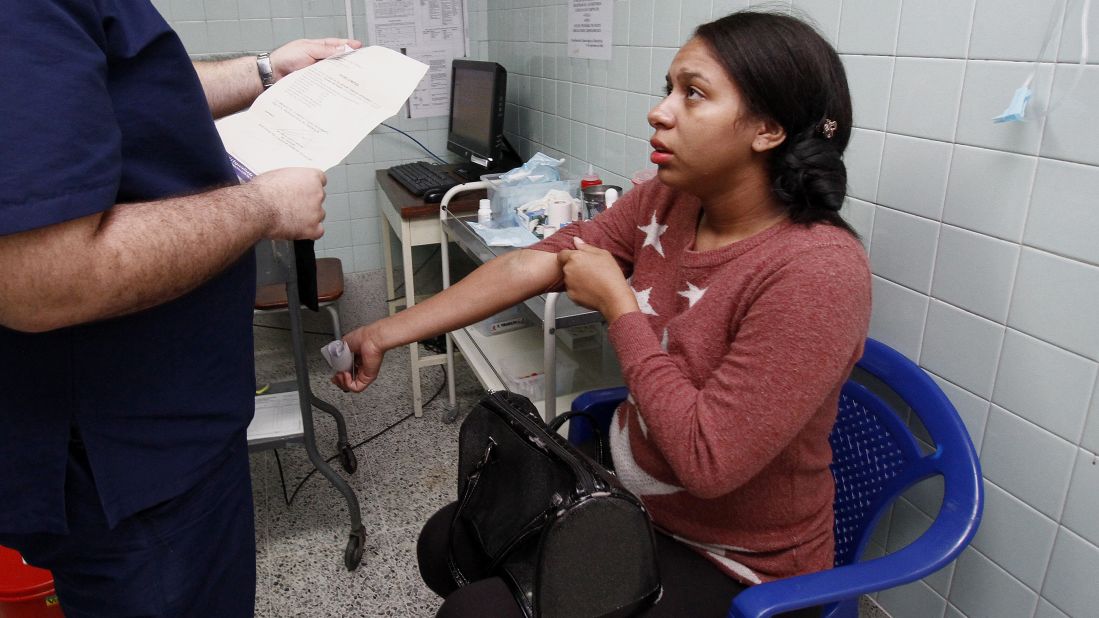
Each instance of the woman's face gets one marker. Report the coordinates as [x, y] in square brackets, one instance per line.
[704, 139]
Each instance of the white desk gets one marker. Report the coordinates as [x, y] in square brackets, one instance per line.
[414, 223]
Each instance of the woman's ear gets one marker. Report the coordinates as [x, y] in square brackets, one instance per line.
[769, 134]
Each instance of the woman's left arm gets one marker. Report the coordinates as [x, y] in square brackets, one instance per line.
[793, 348]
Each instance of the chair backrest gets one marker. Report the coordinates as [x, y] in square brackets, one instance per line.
[876, 457]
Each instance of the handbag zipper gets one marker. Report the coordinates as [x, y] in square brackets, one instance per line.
[587, 480]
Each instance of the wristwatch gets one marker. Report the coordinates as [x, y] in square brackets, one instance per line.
[266, 73]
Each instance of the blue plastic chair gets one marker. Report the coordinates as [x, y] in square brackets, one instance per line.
[875, 459]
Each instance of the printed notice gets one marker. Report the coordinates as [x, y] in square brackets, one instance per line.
[590, 25]
[433, 31]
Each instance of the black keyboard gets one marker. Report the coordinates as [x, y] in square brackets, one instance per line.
[421, 178]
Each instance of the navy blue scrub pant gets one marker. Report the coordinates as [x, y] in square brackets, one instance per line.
[193, 555]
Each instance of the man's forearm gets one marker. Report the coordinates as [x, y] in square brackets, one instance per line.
[230, 85]
[129, 258]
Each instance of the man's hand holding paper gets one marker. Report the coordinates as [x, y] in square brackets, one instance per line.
[315, 116]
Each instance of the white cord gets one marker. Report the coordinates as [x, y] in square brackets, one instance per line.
[1084, 13]
[350, 22]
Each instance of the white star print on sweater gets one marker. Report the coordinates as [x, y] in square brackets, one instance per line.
[643, 301]
[653, 232]
[692, 294]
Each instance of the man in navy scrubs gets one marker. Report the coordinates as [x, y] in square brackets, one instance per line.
[126, 291]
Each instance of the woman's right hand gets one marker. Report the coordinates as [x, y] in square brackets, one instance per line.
[367, 363]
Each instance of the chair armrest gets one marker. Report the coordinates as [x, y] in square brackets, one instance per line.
[940, 544]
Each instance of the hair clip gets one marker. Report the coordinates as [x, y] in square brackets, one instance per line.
[829, 128]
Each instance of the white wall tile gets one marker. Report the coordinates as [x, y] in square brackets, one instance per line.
[1070, 584]
[1029, 462]
[869, 78]
[974, 272]
[1071, 131]
[988, 191]
[640, 70]
[961, 347]
[902, 248]
[859, 215]
[721, 8]
[905, 526]
[897, 316]
[666, 23]
[1070, 39]
[693, 13]
[1046, 610]
[1044, 384]
[641, 22]
[1055, 300]
[661, 61]
[637, 114]
[188, 10]
[988, 88]
[825, 15]
[621, 22]
[1090, 440]
[913, 175]
[983, 590]
[1082, 507]
[869, 26]
[1010, 30]
[915, 600]
[925, 96]
[863, 159]
[935, 28]
[1025, 556]
[1063, 210]
[220, 9]
[972, 409]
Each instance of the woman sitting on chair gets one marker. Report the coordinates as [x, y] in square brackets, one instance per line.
[737, 301]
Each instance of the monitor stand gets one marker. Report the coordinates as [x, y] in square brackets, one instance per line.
[509, 160]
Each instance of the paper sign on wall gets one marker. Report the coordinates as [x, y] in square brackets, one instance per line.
[590, 26]
[432, 31]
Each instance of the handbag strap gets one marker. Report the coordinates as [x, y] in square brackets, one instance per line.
[471, 484]
[602, 450]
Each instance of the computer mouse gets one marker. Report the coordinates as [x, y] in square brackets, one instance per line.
[434, 195]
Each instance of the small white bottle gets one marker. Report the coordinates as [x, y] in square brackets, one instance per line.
[484, 212]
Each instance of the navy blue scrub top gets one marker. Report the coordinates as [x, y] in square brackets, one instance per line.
[101, 106]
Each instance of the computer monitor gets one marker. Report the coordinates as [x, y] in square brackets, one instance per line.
[478, 95]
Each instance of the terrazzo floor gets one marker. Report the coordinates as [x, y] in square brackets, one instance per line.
[404, 475]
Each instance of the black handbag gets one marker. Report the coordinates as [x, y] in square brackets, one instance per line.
[560, 529]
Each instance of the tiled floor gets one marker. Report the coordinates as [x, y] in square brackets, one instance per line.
[404, 476]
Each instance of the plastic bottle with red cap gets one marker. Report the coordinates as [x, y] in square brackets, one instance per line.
[591, 179]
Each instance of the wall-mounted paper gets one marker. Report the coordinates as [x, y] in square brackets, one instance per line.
[590, 25]
[315, 116]
[433, 31]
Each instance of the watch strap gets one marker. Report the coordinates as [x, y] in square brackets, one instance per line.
[266, 73]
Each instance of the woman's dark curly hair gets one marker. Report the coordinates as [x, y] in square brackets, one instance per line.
[788, 73]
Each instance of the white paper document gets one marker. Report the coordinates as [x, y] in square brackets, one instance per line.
[277, 416]
[314, 117]
[590, 25]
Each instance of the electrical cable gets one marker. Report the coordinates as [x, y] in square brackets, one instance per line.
[414, 273]
[428, 151]
[278, 461]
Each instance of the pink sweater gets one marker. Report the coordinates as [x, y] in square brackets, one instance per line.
[734, 366]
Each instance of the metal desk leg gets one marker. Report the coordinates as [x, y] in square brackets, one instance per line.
[549, 355]
[387, 252]
[410, 300]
